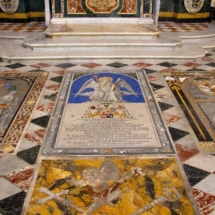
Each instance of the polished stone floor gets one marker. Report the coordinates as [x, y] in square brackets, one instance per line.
[21, 160]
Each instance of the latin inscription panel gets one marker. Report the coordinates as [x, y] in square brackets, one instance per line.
[106, 111]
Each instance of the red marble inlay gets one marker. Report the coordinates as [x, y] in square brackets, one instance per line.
[40, 133]
[47, 108]
[169, 70]
[60, 72]
[40, 65]
[205, 201]
[185, 152]
[33, 138]
[169, 118]
[22, 178]
[91, 65]
[207, 59]
[152, 78]
[54, 87]
[36, 136]
[11, 71]
[191, 64]
[142, 65]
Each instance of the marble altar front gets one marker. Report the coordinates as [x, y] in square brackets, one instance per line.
[103, 8]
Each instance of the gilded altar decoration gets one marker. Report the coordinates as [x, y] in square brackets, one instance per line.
[9, 6]
[193, 6]
[102, 6]
[129, 7]
[75, 7]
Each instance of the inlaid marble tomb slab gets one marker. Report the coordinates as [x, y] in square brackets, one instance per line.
[19, 93]
[106, 113]
[111, 185]
[195, 93]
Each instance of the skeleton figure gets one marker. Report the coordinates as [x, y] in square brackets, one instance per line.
[97, 179]
[105, 90]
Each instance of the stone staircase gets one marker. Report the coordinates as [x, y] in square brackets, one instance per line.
[107, 39]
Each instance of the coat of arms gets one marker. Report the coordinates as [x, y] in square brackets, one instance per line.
[193, 6]
[9, 6]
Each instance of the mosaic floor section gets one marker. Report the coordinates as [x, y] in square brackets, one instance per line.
[193, 167]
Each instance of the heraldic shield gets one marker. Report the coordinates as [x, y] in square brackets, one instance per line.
[9, 6]
[193, 6]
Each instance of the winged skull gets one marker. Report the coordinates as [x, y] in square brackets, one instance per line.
[105, 89]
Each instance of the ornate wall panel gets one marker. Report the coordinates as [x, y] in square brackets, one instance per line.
[106, 8]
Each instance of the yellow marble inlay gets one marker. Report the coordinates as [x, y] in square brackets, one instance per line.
[85, 183]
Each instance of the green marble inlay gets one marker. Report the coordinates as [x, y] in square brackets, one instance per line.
[167, 6]
[57, 6]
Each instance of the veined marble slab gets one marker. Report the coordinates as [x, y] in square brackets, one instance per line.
[125, 185]
[70, 29]
[101, 20]
[106, 113]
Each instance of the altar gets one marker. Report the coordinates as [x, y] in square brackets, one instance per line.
[148, 9]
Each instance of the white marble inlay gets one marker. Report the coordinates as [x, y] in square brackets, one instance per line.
[202, 161]
[101, 20]
[7, 189]
[11, 163]
[207, 185]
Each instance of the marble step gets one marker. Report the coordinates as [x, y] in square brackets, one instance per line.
[205, 41]
[204, 38]
[101, 26]
[40, 40]
[17, 53]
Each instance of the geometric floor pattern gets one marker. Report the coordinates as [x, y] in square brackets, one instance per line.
[17, 168]
[163, 27]
[181, 27]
